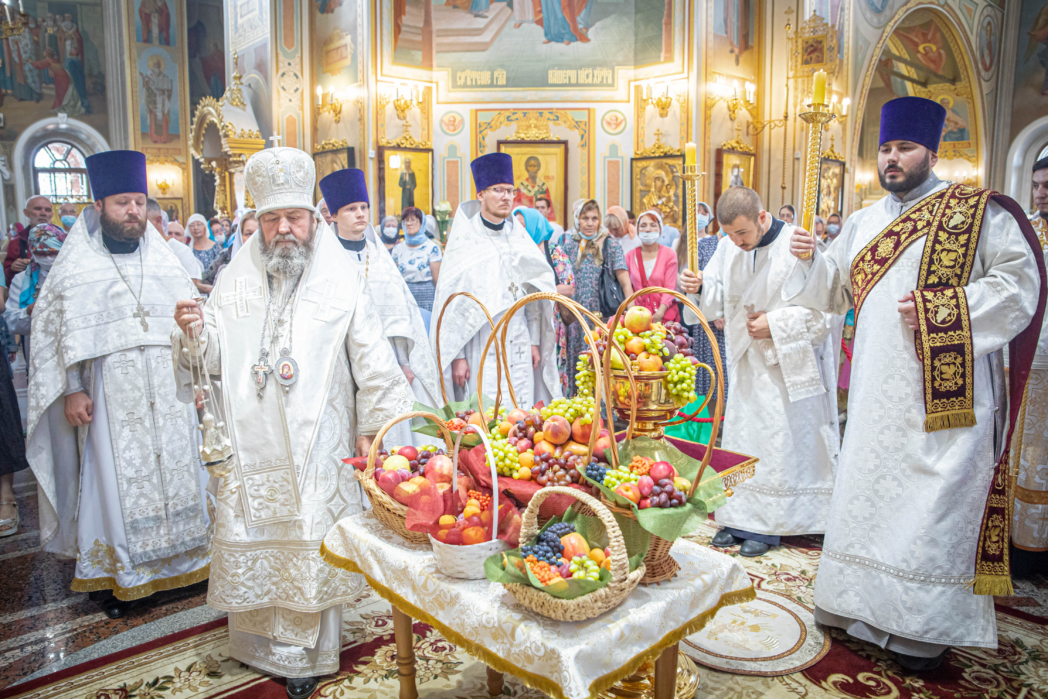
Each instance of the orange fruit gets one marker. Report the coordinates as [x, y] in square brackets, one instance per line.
[470, 511]
[474, 535]
[597, 556]
[505, 427]
[526, 460]
[524, 474]
[446, 521]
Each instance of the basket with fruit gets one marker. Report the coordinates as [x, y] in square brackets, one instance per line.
[391, 507]
[464, 540]
[574, 568]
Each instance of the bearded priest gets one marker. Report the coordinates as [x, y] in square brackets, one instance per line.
[346, 192]
[490, 255]
[112, 448]
[308, 378]
[783, 403]
[941, 277]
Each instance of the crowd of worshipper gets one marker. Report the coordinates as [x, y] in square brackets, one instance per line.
[306, 313]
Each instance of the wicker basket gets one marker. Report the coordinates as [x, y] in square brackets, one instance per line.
[467, 561]
[658, 563]
[597, 602]
[386, 509]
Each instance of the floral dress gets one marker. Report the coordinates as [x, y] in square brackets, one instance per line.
[206, 257]
[565, 275]
[587, 292]
[413, 263]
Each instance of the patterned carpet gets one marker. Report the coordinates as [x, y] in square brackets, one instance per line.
[195, 663]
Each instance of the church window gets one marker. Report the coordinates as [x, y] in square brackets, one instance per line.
[60, 173]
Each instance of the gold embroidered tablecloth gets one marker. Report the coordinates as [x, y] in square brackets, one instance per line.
[566, 660]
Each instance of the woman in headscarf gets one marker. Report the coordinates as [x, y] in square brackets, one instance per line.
[654, 265]
[418, 258]
[45, 240]
[618, 224]
[540, 230]
[204, 247]
[590, 248]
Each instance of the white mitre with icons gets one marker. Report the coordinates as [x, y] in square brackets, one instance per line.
[281, 178]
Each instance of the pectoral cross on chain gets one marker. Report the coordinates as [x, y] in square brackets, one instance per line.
[513, 289]
[259, 371]
[141, 314]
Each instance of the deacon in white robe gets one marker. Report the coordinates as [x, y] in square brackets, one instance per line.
[111, 446]
[1030, 449]
[346, 192]
[783, 404]
[899, 558]
[308, 378]
[490, 255]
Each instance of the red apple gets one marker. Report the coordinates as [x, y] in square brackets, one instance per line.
[581, 433]
[523, 445]
[517, 415]
[604, 443]
[438, 469]
[388, 481]
[637, 320]
[544, 447]
[644, 504]
[405, 492]
[662, 469]
[410, 453]
[644, 485]
[629, 491]
[556, 430]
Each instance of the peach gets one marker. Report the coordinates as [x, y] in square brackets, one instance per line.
[474, 535]
[540, 436]
[637, 320]
[438, 469]
[523, 445]
[629, 491]
[417, 480]
[526, 460]
[581, 433]
[476, 419]
[543, 448]
[524, 474]
[395, 463]
[556, 430]
[649, 362]
[634, 346]
[505, 427]
[388, 481]
[604, 443]
[406, 492]
[574, 545]
[517, 415]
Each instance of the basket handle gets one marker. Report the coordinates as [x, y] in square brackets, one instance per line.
[490, 455]
[620, 563]
[718, 407]
[369, 470]
[491, 322]
[705, 401]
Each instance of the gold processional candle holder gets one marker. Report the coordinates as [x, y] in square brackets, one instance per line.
[817, 118]
[216, 448]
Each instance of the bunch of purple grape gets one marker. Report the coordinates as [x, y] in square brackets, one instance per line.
[665, 495]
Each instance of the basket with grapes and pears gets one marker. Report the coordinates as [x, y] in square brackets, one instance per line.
[668, 487]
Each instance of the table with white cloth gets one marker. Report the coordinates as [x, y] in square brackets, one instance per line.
[566, 660]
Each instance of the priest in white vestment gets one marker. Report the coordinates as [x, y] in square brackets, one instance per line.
[1030, 450]
[490, 255]
[783, 404]
[347, 194]
[904, 542]
[308, 378]
[110, 444]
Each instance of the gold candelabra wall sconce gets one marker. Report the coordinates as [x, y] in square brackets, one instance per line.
[163, 185]
[661, 97]
[404, 99]
[736, 96]
[331, 102]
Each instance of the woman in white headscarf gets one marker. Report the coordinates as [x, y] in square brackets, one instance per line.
[204, 248]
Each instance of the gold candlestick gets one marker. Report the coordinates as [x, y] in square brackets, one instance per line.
[691, 176]
[816, 119]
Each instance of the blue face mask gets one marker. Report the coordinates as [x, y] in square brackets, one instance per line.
[702, 220]
[832, 229]
[589, 237]
[68, 220]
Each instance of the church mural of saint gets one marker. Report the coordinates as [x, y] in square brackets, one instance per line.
[1030, 99]
[540, 171]
[157, 77]
[492, 45]
[657, 185]
[54, 66]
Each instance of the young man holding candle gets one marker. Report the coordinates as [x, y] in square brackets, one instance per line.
[941, 277]
[782, 406]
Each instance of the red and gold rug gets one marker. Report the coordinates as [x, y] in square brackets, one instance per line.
[195, 663]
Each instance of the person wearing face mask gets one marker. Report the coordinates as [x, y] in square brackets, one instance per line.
[45, 240]
[67, 214]
[783, 376]
[418, 258]
[401, 319]
[590, 248]
[833, 227]
[247, 227]
[651, 265]
[389, 234]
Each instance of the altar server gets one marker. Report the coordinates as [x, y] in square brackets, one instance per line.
[491, 256]
[941, 277]
[111, 446]
[308, 379]
[783, 403]
[346, 192]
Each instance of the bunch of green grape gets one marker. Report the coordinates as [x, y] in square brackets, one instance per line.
[507, 458]
[584, 375]
[490, 412]
[616, 477]
[622, 336]
[680, 382]
[653, 342]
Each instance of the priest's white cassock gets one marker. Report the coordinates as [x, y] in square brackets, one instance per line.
[289, 485]
[782, 406]
[124, 494]
[899, 555]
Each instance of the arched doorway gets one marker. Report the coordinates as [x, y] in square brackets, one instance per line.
[922, 55]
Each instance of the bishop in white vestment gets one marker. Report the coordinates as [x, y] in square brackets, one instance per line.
[905, 539]
[112, 447]
[490, 255]
[347, 194]
[308, 377]
[783, 404]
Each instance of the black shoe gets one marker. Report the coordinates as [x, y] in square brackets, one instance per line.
[723, 539]
[751, 548]
[914, 664]
[301, 687]
[99, 595]
[116, 609]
